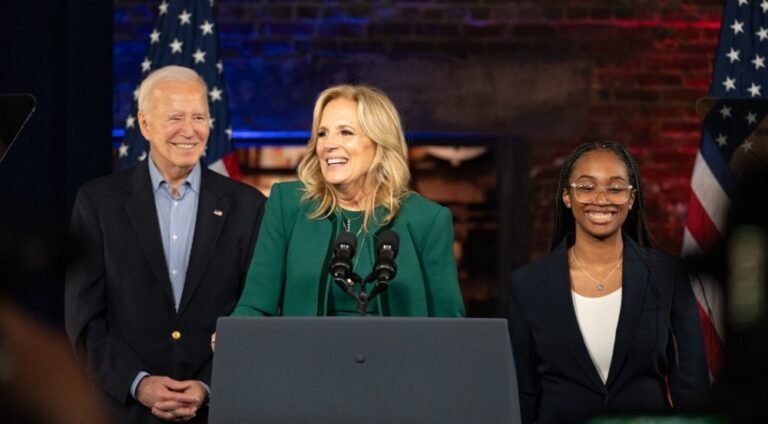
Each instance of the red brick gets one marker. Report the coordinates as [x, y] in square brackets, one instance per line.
[638, 95]
[648, 62]
[658, 79]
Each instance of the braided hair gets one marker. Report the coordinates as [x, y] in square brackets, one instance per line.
[634, 226]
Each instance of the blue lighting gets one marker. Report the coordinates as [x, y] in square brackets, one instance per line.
[250, 138]
[270, 135]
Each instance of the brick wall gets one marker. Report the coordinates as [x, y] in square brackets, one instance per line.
[551, 72]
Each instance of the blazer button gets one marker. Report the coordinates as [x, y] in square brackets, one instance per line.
[176, 335]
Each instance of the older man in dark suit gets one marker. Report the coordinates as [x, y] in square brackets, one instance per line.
[165, 250]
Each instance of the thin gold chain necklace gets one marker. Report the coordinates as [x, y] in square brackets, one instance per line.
[346, 223]
[600, 285]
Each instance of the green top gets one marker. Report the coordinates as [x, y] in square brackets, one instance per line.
[289, 274]
[339, 302]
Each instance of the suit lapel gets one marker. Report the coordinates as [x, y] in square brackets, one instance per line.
[320, 237]
[559, 293]
[142, 214]
[634, 284]
[212, 212]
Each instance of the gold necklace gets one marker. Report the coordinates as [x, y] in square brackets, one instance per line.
[600, 285]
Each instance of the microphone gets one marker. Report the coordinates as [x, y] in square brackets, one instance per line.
[343, 251]
[385, 269]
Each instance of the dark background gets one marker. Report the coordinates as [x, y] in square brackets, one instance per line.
[60, 51]
[534, 77]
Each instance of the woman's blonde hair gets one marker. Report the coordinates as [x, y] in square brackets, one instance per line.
[380, 122]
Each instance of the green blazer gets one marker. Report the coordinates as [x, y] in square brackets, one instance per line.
[289, 275]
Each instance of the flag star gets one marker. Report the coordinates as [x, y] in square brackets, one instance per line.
[146, 65]
[763, 33]
[130, 121]
[737, 26]
[176, 46]
[759, 62]
[136, 94]
[154, 37]
[142, 156]
[123, 150]
[722, 140]
[733, 55]
[163, 7]
[206, 27]
[729, 83]
[747, 146]
[751, 118]
[742, 2]
[215, 94]
[220, 65]
[199, 56]
[725, 111]
[184, 17]
[210, 125]
[754, 90]
[228, 132]
[764, 5]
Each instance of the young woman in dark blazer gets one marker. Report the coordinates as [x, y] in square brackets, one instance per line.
[604, 324]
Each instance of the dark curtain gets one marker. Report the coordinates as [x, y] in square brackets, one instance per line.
[60, 51]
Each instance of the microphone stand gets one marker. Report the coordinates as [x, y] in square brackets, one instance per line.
[362, 297]
[384, 268]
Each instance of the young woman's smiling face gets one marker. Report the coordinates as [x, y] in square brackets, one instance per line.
[603, 172]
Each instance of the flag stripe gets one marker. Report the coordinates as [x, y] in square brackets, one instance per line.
[219, 167]
[690, 246]
[709, 296]
[716, 164]
[701, 227]
[232, 165]
[712, 341]
[711, 196]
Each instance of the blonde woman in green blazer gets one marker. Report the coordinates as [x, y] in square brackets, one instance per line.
[354, 177]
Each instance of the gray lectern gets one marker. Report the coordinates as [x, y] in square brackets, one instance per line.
[363, 370]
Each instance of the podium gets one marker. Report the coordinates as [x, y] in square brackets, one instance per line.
[363, 370]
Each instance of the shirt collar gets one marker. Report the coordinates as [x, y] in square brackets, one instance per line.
[192, 181]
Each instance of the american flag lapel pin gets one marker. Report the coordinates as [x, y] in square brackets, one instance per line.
[218, 212]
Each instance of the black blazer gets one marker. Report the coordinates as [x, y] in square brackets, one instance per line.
[557, 380]
[119, 307]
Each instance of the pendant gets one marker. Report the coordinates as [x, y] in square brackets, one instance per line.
[600, 287]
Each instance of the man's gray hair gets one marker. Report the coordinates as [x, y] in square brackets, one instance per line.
[166, 73]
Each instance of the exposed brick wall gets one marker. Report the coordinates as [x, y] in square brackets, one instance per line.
[643, 65]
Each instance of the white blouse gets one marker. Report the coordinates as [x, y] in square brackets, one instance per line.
[598, 318]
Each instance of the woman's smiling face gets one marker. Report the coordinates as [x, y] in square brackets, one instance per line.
[345, 152]
[599, 218]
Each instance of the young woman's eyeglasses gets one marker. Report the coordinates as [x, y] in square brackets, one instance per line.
[615, 194]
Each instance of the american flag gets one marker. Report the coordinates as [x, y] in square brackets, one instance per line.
[736, 107]
[186, 35]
